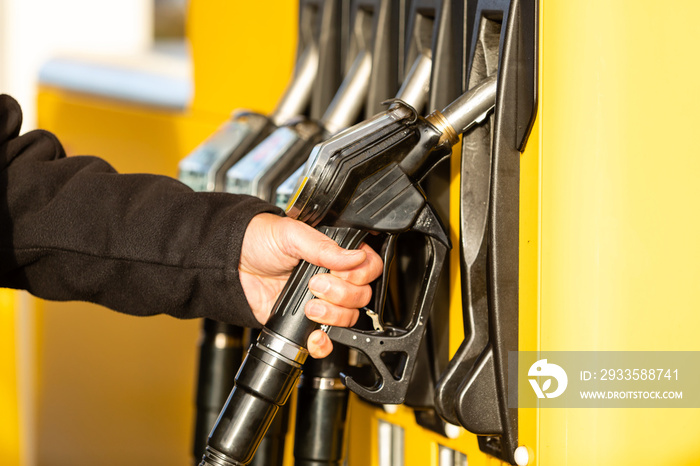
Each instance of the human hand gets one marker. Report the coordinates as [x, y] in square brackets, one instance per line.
[273, 246]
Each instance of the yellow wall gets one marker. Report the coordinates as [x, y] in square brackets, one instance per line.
[243, 53]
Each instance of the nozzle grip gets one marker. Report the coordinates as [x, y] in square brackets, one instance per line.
[287, 318]
[272, 367]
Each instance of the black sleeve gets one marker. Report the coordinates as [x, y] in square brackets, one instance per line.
[71, 228]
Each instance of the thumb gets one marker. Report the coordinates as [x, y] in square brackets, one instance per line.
[301, 241]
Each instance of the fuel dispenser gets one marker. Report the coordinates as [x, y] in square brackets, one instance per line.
[472, 391]
[356, 183]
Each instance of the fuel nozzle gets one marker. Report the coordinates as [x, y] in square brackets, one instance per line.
[467, 110]
[205, 168]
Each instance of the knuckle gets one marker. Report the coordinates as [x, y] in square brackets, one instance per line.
[344, 318]
[352, 317]
[360, 276]
[340, 316]
[346, 294]
[286, 237]
[339, 291]
[324, 347]
[356, 296]
[326, 248]
[378, 267]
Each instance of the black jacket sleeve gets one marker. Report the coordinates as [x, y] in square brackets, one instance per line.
[71, 228]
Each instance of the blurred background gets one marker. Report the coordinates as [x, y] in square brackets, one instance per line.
[32, 32]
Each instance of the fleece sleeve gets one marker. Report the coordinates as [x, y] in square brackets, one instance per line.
[71, 228]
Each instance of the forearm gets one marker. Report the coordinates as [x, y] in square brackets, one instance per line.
[74, 229]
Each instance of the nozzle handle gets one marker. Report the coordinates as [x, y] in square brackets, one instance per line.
[393, 378]
[272, 368]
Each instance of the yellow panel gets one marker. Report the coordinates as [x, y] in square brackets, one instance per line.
[456, 319]
[132, 138]
[243, 52]
[9, 412]
[528, 331]
[620, 257]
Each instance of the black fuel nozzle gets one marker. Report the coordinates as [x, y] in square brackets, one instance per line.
[220, 350]
[317, 73]
[364, 180]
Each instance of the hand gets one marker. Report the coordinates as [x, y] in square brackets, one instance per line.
[273, 246]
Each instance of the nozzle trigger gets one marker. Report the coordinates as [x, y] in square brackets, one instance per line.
[392, 350]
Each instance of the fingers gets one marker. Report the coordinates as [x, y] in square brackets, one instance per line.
[330, 290]
[304, 242]
[338, 291]
[339, 295]
[327, 313]
[366, 272]
[319, 345]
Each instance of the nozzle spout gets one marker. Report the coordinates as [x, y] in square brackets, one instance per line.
[470, 108]
[348, 101]
[298, 93]
[414, 90]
